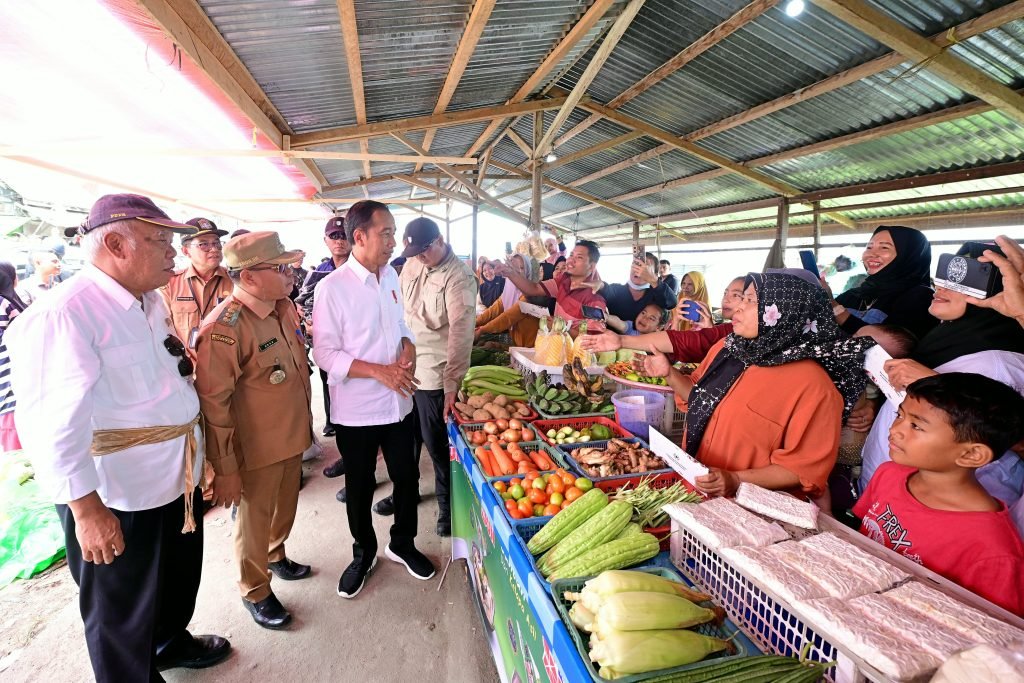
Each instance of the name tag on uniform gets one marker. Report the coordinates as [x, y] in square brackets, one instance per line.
[185, 298]
[267, 344]
[222, 338]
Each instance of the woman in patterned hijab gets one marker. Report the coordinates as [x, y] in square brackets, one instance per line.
[768, 401]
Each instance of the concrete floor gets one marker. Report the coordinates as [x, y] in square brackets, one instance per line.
[397, 629]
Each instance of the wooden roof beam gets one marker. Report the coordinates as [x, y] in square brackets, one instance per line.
[684, 57]
[899, 37]
[453, 118]
[478, 17]
[579, 30]
[612, 38]
[354, 60]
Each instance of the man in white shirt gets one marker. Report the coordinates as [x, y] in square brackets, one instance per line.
[43, 278]
[361, 340]
[107, 412]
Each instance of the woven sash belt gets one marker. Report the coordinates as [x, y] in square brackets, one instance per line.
[107, 441]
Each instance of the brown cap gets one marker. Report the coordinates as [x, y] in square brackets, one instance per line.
[121, 207]
[254, 248]
[335, 224]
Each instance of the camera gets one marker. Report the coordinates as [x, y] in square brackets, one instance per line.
[967, 275]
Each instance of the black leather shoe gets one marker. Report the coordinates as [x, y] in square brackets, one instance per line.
[199, 653]
[386, 505]
[335, 469]
[328, 430]
[290, 571]
[268, 612]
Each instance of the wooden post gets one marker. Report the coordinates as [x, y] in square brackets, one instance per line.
[538, 170]
[782, 231]
[475, 209]
[817, 228]
[448, 222]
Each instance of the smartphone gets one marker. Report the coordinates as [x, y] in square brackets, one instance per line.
[809, 262]
[967, 275]
[508, 248]
[593, 313]
[691, 311]
[638, 251]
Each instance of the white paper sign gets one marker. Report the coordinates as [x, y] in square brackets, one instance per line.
[678, 459]
[534, 310]
[874, 365]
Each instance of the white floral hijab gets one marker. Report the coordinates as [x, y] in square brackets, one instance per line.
[795, 322]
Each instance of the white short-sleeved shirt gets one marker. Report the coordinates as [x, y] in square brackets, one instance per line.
[90, 356]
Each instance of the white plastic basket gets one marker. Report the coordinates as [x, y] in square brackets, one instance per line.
[773, 625]
[522, 360]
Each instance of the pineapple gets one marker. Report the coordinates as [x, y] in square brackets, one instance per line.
[585, 357]
[552, 342]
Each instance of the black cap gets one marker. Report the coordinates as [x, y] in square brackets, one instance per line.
[419, 234]
[203, 226]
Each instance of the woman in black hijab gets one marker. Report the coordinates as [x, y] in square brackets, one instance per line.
[897, 289]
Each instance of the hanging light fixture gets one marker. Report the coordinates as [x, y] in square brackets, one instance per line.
[795, 7]
[551, 157]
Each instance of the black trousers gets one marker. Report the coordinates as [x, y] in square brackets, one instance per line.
[358, 447]
[433, 433]
[327, 398]
[139, 605]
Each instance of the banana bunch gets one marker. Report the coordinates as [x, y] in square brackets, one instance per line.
[580, 394]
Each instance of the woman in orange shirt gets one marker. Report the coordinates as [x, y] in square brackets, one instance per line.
[767, 403]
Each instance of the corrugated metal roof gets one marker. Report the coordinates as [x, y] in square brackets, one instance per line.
[295, 53]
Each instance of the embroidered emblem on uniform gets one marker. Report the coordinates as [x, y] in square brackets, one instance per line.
[267, 344]
[222, 338]
[229, 316]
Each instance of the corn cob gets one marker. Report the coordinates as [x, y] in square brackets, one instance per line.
[621, 653]
[648, 612]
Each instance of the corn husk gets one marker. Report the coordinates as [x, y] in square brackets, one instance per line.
[641, 611]
[621, 653]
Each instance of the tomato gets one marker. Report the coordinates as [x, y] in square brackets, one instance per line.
[551, 509]
[500, 487]
[568, 480]
[561, 471]
[557, 484]
[511, 504]
[526, 507]
[516, 514]
[515, 481]
[557, 498]
[537, 496]
[566, 503]
[531, 475]
[572, 493]
[584, 484]
[516, 492]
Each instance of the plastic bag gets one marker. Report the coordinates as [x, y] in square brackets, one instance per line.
[31, 536]
[553, 342]
[984, 663]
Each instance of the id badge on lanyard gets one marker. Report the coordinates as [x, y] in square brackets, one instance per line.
[193, 336]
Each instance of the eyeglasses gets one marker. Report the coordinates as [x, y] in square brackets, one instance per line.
[337, 236]
[282, 268]
[208, 246]
[177, 349]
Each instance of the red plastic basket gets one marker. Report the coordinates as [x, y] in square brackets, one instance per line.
[661, 481]
[578, 423]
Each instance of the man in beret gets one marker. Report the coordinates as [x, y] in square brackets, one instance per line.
[109, 417]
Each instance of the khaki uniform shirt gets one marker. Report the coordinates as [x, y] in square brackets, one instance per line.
[440, 309]
[250, 421]
[190, 300]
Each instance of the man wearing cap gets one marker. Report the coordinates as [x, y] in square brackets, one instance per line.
[362, 342]
[253, 385]
[192, 292]
[108, 414]
[337, 243]
[439, 291]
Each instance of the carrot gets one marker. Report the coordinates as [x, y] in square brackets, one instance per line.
[485, 461]
[541, 460]
[516, 454]
[525, 467]
[502, 461]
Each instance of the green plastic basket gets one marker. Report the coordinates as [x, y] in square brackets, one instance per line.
[724, 631]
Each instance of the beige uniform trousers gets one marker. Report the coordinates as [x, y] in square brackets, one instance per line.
[270, 496]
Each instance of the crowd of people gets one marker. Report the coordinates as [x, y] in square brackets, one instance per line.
[135, 388]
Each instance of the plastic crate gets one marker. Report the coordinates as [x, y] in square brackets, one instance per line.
[522, 360]
[767, 622]
[657, 481]
[466, 427]
[578, 423]
[567, 449]
[530, 418]
[529, 447]
[723, 631]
